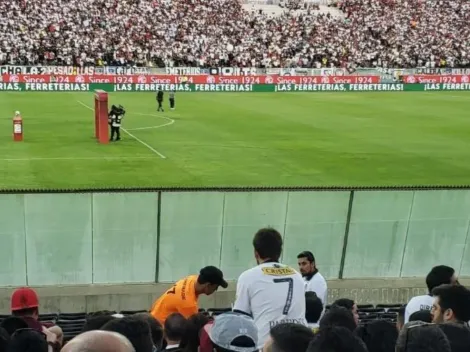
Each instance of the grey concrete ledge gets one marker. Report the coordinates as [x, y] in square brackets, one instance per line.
[89, 298]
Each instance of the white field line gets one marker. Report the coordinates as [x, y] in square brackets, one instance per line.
[81, 158]
[130, 134]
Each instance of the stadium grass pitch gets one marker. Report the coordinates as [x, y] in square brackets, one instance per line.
[240, 139]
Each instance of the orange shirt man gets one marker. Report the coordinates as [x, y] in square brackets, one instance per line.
[182, 297]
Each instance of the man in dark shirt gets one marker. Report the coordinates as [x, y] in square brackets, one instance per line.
[160, 99]
[172, 100]
[25, 304]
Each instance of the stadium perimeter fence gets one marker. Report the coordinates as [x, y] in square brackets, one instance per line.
[137, 235]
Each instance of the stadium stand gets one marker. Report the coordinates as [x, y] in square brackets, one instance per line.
[212, 33]
[72, 323]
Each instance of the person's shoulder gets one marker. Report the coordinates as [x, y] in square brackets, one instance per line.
[416, 301]
[249, 273]
[185, 281]
[319, 278]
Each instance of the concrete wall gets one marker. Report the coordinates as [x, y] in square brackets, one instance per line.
[86, 298]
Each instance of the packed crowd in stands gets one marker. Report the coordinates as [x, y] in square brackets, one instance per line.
[277, 309]
[213, 33]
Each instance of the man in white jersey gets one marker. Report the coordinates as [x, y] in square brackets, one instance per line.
[438, 275]
[314, 281]
[272, 293]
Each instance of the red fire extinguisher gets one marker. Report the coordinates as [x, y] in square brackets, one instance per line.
[17, 127]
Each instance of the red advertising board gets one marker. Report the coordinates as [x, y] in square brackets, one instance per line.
[436, 79]
[199, 79]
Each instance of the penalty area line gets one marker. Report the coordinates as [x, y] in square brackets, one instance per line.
[130, 134]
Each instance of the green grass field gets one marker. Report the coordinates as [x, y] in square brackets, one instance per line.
[240, 139]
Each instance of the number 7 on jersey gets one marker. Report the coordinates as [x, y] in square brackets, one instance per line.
[290, 292]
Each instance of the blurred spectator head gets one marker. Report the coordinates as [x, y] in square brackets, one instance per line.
[209, 280]
[336, 339]
[232, 332]
[96, 322]
[25, 302]
[421, 315]
[338, 316]
[11, 324]
[28, 340]
[348, 304]
[418, 336]
[4, 340]
[288, 337]
[135, 329]
[306, 262]
[174, 328]
[191, 339]
[268, 245]
[451, 304]
[458, 336]
[440, 275]
[313, 307]
[401, 318]
[379, 336]
[156, 329]
[99, 341]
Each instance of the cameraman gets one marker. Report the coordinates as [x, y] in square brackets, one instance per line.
[114, 119]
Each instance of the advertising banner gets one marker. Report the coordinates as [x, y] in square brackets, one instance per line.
[215, 88]
[433, 79]
[192, 79]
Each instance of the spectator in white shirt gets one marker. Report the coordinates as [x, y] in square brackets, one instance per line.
[271, 292]
[438, 275]
[314, 281]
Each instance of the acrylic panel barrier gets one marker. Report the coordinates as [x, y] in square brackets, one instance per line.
[130, 237]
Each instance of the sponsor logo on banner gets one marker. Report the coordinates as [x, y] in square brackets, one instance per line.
[410, 79]
[79, 79]
[141, 79]
[14, 78]
[210, 79]
[325, 79]
[269, 80]
[465, 79]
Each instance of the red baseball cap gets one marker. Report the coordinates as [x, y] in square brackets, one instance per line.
[24, 298]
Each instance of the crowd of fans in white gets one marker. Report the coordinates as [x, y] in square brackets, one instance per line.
[384, 33]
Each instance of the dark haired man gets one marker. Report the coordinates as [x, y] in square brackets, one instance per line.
[336, 339]
[313, 310]
[135, 329]
[338, 316]
[349, 304]
[419, 337]
[183, 296]
[451, 304]
[314, 281]
[272, 293]
[438, 275]
[288, 337]
[156, 329]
